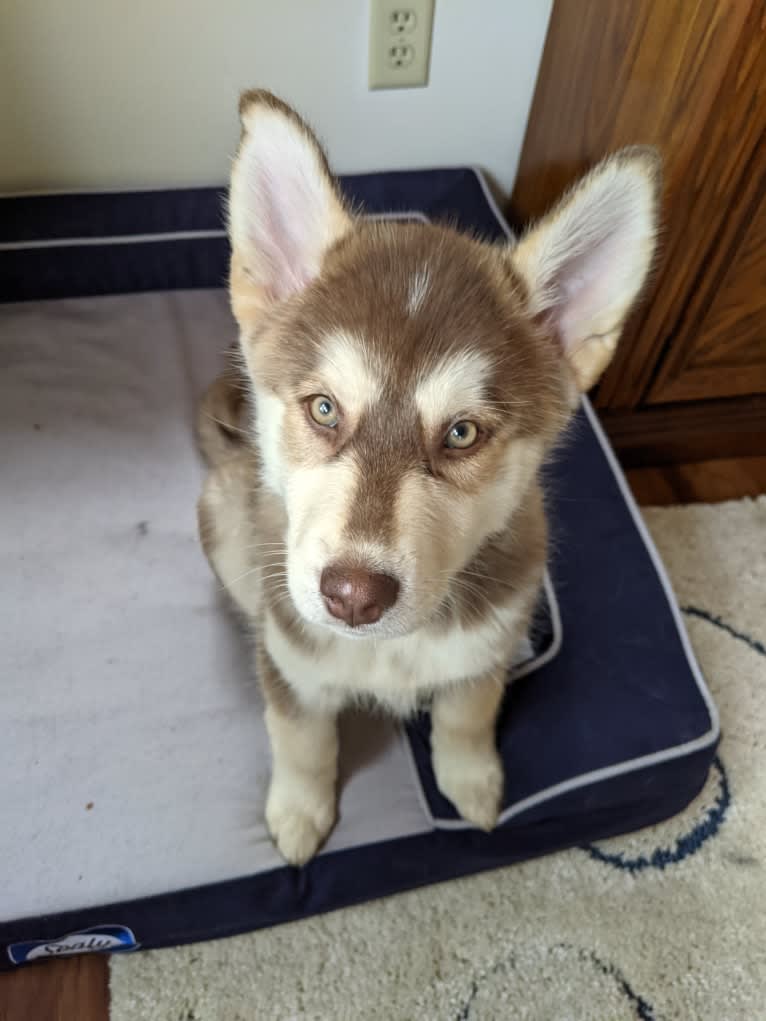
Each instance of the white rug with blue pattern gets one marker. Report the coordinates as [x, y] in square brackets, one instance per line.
[668, 923]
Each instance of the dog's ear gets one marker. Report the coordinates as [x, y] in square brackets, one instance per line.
[585, 263]
[284, 207]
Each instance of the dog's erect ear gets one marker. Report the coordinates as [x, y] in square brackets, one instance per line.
[284, 208]
[585, 263]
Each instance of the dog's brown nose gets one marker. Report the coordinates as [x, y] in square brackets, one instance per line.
[356, 596]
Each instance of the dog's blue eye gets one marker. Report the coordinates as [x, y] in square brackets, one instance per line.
[323, 411]
[461, 436]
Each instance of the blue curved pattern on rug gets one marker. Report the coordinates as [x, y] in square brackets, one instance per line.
[685, 846]
[753, 643]
[644, 1010]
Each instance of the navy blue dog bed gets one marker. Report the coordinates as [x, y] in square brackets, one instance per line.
[135, 759]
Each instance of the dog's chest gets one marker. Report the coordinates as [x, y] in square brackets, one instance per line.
[397, 672]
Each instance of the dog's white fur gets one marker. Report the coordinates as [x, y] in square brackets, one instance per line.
[462, 534]
[456, 382]
[418, 290]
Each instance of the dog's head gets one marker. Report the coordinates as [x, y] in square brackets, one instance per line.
[408, 379]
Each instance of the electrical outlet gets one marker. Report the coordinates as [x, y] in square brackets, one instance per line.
[400, 42]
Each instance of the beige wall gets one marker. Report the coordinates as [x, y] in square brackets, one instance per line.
[115, 93]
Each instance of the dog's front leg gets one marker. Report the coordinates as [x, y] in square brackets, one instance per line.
[465, 758]
[300, 807]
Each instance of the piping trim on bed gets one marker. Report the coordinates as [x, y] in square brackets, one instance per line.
[176, 235]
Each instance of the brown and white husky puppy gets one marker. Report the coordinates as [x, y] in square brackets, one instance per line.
[373, 505]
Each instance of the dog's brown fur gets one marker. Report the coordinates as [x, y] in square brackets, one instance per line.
[408, 329]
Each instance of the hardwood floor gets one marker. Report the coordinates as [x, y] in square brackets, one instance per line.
[77, 989]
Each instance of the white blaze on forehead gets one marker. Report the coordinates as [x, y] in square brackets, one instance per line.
[345, 369]
[418, 290]
[452, 387]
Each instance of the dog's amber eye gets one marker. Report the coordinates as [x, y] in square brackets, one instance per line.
[461, 436]
[323, 411]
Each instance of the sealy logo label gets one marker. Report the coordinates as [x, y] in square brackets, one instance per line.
[98, 939]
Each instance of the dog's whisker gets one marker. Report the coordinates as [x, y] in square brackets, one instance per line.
[284, 597]
[232, 581]
[224, 425]
[488, 578]
[473, 591]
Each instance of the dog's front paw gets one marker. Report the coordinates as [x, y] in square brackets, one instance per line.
[473, 782]
[297, 826]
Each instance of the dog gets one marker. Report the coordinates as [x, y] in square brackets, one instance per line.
[373, 505]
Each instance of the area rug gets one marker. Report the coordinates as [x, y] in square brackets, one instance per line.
[667, 923]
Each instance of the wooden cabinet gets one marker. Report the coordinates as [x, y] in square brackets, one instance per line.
[720, 346]
[688, 76]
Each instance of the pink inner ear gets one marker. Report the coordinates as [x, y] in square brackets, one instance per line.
[285, 229]
[585, 288]
[277, 223]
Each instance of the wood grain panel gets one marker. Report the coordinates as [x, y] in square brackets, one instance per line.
[722, 349]
[699, 482]
[76, 989]
[696, 431]
[615, 74]
[660, 73]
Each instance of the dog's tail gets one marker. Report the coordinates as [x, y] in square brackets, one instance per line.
[222, 416]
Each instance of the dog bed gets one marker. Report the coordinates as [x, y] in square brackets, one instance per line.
[134, 753]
